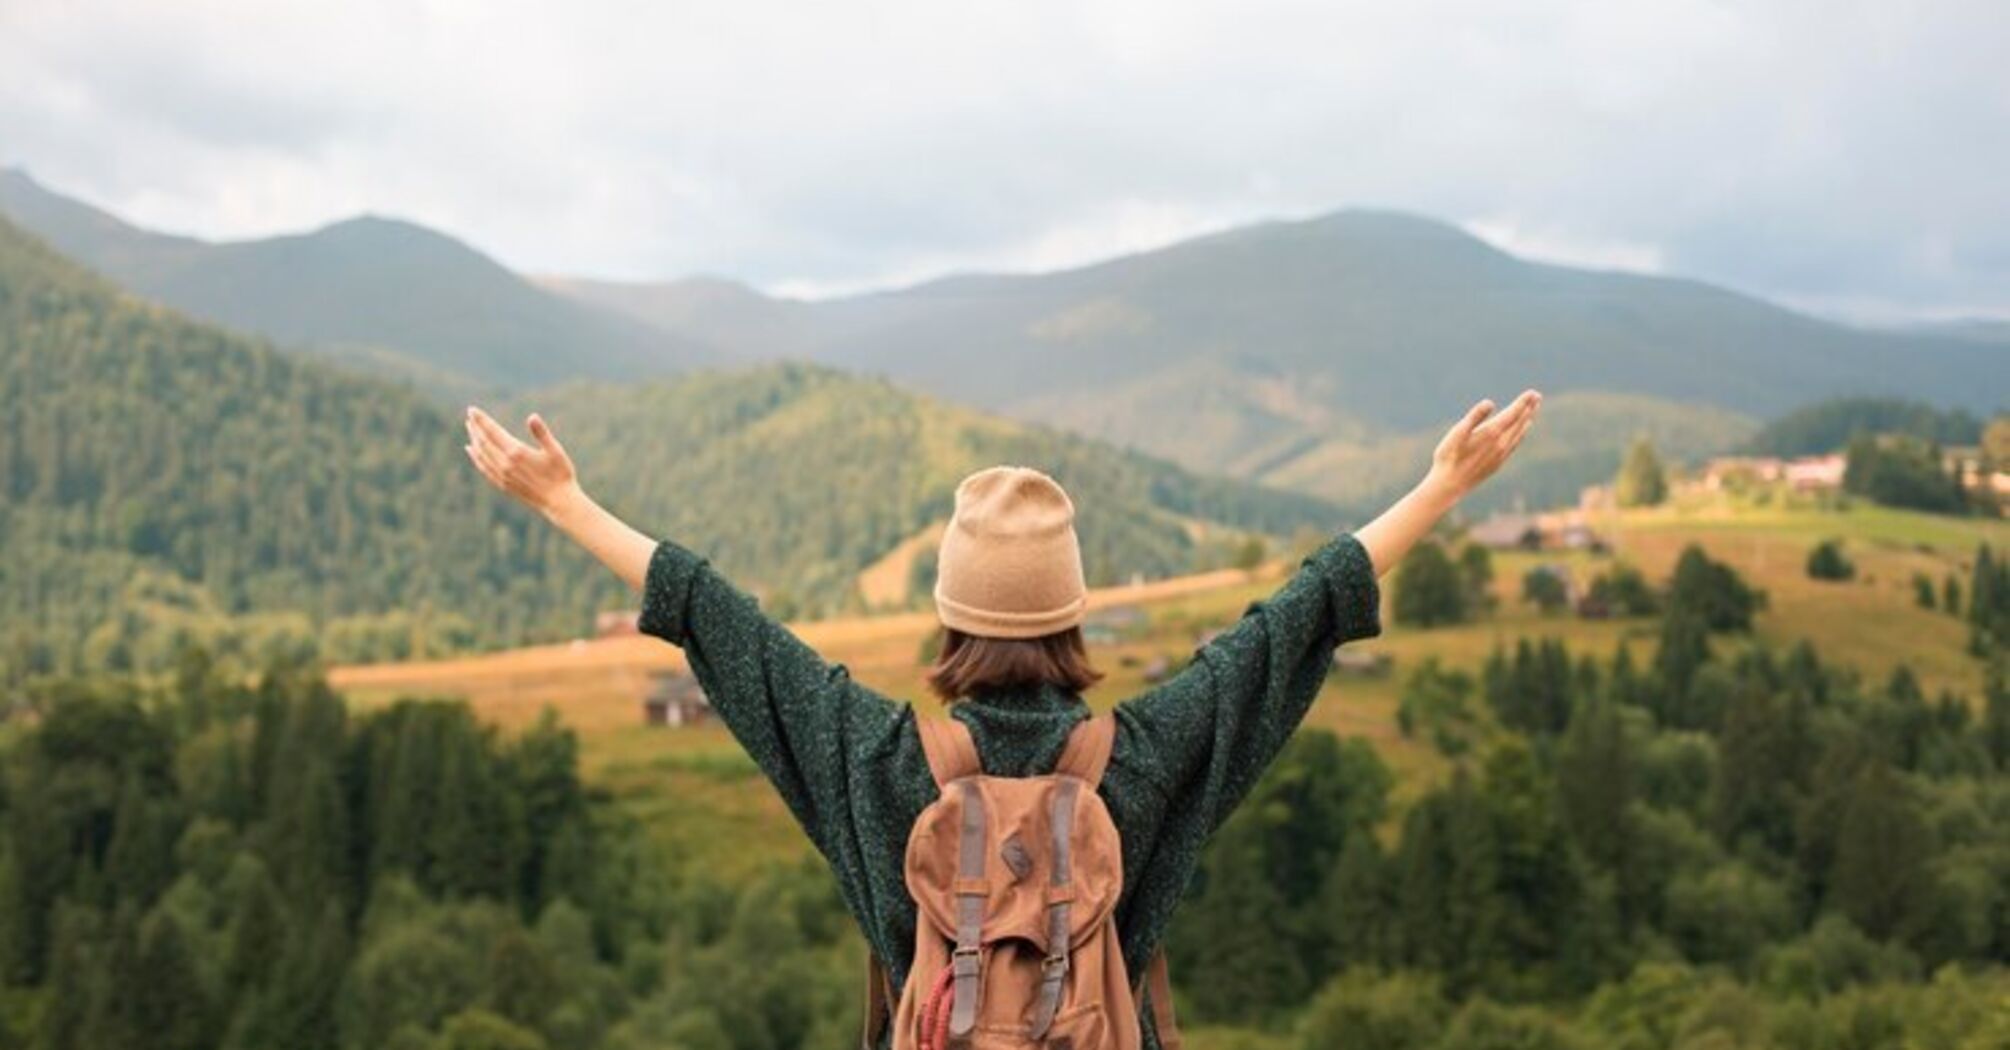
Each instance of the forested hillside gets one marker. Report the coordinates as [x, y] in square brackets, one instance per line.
[1829, 425]
[166, 480]
[803, 475]
[1693, 841]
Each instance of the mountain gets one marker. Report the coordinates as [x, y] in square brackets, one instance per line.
[716, 311]
[166, 479]
[1973, 329]
[1269, 350]
[390, 295]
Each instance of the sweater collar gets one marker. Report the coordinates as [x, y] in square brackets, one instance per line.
[1043, 698]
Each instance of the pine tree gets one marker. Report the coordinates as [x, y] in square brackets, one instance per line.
[296, 1009]
[74, 973]
[1238, 927]
[1357, 904]
[1881, 879]
[1761, 764]
[168, 1001]
[1448, 909]
[1476, 569]
[307, 837]
[1642, 481]
[1995, 727]
[545, 766]
[113, 1021]
[258, 931]
[1685, 647]
[139, 862]
[1989, 604]
[1594, 783]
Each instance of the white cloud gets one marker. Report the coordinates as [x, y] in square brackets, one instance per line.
[1795, 148]
[1568, 248]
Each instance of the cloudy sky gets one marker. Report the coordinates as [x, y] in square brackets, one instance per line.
[1849, 157]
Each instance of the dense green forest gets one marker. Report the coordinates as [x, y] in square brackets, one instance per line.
[1829, 425]
[1714, 845]
[168, 482]
[202, 864]
[1704, 844]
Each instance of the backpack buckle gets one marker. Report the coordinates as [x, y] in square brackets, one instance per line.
[963, 962]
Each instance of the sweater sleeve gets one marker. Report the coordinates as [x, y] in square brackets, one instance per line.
[798, 716]
[1206, 734]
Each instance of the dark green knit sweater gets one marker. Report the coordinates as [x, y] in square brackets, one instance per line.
[849, 763]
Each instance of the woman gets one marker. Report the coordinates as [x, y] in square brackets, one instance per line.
[1010, 596]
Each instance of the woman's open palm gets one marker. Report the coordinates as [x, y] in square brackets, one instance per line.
[1482, 440]
[539, 476]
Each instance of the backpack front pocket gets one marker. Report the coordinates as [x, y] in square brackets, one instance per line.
[1079, 1027]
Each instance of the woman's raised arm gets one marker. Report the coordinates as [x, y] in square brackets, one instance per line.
[802, 719]
[1212, 729]
[543, 478]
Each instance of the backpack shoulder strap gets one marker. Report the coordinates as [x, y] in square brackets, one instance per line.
[952, 754]
[879, 1000]
[1087, 753]
[1158, 985]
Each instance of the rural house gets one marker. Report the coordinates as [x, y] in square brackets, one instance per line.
[675, 699]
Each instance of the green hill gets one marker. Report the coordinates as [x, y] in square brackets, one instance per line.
[1272, 350]
[166, 480]
[803, 475]
[451, 319]
[1829, 425]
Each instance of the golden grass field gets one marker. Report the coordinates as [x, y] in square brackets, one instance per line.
[693, 789]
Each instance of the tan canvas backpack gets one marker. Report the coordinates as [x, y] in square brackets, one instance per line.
[1016, 881]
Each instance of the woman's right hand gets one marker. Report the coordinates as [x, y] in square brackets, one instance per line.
[1479, 443]
[539, 476]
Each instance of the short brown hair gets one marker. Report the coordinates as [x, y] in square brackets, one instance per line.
[969, 662]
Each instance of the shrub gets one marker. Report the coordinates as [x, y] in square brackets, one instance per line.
[1827, 562]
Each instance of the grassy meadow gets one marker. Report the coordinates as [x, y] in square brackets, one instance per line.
[701, 798]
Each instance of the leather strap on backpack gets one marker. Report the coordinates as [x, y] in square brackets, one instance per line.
[951, 753]
[878, 1001]
[1087, 753]
[1158, 986]
[1054, 969]
[966, 961]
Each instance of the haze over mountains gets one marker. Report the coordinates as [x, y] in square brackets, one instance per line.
[1322, 355]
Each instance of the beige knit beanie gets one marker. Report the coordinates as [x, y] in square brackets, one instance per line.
[1010, 566]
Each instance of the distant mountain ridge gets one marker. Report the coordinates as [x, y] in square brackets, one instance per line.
[1355, 308]
[362, 288]
[1321, 354]
[1325, 354]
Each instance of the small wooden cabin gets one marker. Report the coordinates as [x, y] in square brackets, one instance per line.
[675, 700]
